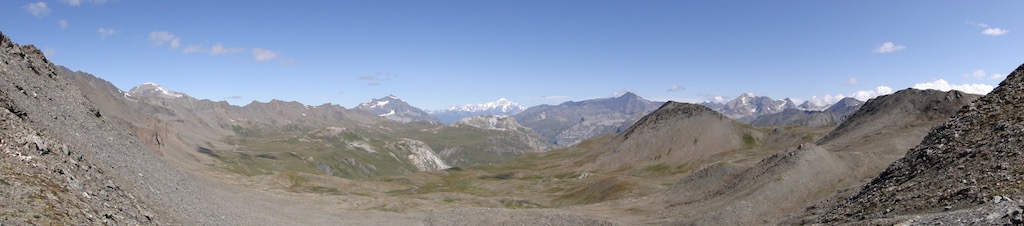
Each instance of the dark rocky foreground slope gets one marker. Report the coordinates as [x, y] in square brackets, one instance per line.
[971, 162]
[65, 162]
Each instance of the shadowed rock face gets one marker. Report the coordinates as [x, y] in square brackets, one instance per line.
[963, 163]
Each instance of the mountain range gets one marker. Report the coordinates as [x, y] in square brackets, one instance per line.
[500, 107]
[77, 150]
[833, 115]
[571, 122]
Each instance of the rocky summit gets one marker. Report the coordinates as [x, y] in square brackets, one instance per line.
[971, 161]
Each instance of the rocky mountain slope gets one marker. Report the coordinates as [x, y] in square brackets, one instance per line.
[500, 107]
[326, 139]
[833, 115]
[794, 184]
[971, 160]
[395, 109]
[670, 135]
[505, 139]
[571, 122]
[64, 161]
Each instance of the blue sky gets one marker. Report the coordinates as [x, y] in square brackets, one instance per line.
[439, 53]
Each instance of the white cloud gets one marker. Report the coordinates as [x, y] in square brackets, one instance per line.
[889, 47]
[38, 9]
[943, 85]
[852, 81]
[263, 54]
[674, 88]
[862, 95]
[826, 100]
[219, 49]
[997, 76]
[73, 2]
[159, 38]
[994, 31]
[990, 31]
[104, 32]
[192, 49]
[63, 24]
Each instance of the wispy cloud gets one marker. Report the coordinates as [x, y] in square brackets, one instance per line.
[888, 47]
[192, 49]
[981, 74]
[63, 24]
[173, 42]
[260, 54]
[674, 88]
[851, 81]
[943, 85]
[79, 2]
[376, 79]
[72, 2]
[159, 38]
[219, 49]
[38, 9]
[104, 32]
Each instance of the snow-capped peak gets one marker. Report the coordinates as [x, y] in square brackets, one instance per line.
[151, 89]
[502, 105]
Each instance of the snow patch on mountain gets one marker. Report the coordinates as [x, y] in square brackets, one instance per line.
[151, 89]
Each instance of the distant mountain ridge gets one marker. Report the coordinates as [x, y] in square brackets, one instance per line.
[393, 108]
[571, 122]
[833, 115]
[501, 107]
[748, 107]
